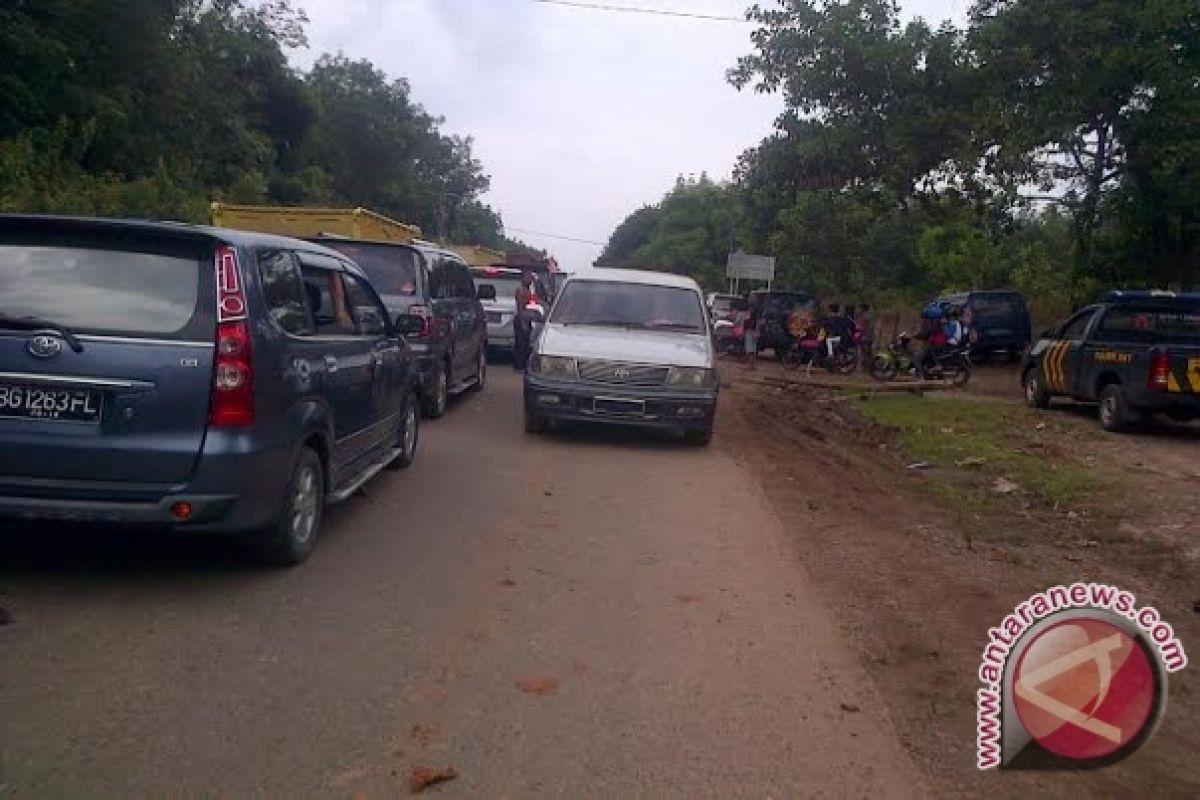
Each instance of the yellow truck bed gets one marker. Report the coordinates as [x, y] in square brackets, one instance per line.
[355, 223]
[477, 255]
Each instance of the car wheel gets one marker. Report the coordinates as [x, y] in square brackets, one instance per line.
[291, 537]
[1036, 395]
[434, 404]
[409, 435]
[534, 424]
[698, 438]
[481, 370]
[1115, 413]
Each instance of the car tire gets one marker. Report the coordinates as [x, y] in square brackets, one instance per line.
[698, 438]
[409, 436]
[433, 405]
[290, 539]
[1036, 395]
[1115, 414]
[534, 424]
[481, 370]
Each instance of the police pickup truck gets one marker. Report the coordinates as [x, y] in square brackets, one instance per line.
[1135, 354]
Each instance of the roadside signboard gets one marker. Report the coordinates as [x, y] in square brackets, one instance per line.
[750, 267]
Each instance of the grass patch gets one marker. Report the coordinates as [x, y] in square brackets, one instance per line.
[945, 430]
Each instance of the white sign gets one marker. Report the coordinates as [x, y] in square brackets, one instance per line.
[744, 265]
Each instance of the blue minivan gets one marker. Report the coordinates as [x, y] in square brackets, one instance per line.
[207, 379]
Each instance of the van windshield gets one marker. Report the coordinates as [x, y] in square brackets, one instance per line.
[392, 269]
[91, 290]
[629, 305]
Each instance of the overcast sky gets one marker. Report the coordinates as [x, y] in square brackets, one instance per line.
[579, 116]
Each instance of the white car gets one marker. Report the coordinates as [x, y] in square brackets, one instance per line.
[625, 347]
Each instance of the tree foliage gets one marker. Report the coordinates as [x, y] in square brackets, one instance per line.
[154, 107]
[906, 156]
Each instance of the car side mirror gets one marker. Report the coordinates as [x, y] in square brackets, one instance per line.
[486, 292]
[409, 324]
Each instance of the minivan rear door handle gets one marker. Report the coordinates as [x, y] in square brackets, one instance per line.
[331, 364]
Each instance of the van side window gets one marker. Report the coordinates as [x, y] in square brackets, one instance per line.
[283, 291]
[441, 284]
[326, 297]
[1076, 327]
[368, 311]
[464, 287]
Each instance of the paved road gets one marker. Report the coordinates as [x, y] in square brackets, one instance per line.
[584, 615]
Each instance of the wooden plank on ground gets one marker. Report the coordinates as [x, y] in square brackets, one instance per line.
[878, 387]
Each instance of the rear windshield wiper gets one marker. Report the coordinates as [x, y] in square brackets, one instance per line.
[37, 323]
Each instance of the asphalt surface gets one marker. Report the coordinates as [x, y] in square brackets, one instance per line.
[586, 614]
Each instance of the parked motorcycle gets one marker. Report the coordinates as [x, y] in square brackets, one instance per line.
[844, 359]
[897, 359]
[729, 338]
[953, 366]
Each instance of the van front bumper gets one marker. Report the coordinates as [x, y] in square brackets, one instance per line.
[665, 408]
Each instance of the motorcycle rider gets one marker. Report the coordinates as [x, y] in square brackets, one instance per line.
[954, 329]
[837, 329]
[935, 337]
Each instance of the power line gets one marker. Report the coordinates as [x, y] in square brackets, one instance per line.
[554, 236]
[659, 12]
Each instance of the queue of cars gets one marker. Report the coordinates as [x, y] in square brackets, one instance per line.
[220, 381]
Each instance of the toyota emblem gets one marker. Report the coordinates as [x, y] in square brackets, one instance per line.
[44, 346]
[621, 374]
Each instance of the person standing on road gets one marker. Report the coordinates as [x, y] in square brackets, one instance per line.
[750, 327]
[522, 324]
[865, 322]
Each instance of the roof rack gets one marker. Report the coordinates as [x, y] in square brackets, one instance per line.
[1118, 295]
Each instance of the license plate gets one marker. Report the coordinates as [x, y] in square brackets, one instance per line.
[493, 317]
[40, 402]
[613, 405]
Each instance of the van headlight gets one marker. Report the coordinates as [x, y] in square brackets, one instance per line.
[692, 377]
[558, 367]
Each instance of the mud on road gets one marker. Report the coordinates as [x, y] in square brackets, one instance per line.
[918, 564]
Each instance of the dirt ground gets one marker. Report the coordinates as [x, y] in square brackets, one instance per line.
[917, 576]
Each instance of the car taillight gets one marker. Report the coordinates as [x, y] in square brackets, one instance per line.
[233, 375]
[426, 320]
[1160, 370]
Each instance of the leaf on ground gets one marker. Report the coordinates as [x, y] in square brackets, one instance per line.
[972, 461]
[507, 582]
[689, 598]
[850, 708]
[1004, 486]
[424, 777]
[538, 685]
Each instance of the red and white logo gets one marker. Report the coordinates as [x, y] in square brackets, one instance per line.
[1074, 678]
[1084, 688]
